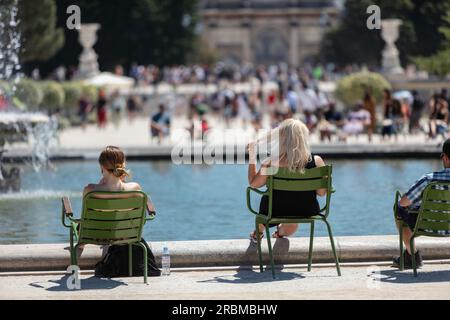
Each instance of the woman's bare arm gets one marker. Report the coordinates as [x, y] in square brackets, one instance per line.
[320, 163]
[256, 179]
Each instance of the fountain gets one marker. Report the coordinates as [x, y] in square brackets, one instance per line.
[16, 126]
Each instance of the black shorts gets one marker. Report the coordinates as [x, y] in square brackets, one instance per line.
[408, 217]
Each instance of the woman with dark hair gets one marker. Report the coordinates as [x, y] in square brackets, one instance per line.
[391, 107]
[438, 117]
[114, 173]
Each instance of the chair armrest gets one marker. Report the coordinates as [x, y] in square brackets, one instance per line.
[67, 213]
[151, 211]
[67, 207]
[249, 205]
[398, 196]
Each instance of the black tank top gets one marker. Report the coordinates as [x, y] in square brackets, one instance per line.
[292, 203]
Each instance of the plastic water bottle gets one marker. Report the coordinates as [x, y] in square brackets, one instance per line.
[165, 262]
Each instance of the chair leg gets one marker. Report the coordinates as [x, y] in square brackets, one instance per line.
[338, 268]
[130, 260]
[72, 260]
[311, 244]
[74, 255]
[402, 258]
[258, 237]
[145, 264]
[269, 243]
[413, 256]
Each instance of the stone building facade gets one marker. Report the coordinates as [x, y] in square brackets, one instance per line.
[266, 31]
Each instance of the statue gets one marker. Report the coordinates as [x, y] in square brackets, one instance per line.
[391, 60]
[88, 60]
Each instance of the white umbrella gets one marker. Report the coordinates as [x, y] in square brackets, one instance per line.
[404, 95]
[110, 81]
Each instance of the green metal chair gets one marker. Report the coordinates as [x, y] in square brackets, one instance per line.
[284, 180]
[433, 218]
[109, 218]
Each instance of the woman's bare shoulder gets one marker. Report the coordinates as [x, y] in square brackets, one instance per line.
[132, 186]
[90, 188]
[319, 161]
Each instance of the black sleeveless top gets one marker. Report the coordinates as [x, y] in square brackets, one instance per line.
[292, 203]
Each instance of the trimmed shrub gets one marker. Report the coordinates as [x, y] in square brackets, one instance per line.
[91, 93]
[29, 93]
[5, 87]
[350, 89]
[54, 96]
[73, 92]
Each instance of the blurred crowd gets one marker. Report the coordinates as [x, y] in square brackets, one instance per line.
[145, 75]
[180, 74]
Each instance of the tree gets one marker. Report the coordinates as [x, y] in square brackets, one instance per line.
[352, 42]
[157, 32]
[41, 40]
[438, 64]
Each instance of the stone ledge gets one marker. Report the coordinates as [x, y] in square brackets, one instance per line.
[190, 254]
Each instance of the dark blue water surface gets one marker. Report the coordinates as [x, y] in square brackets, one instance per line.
[205, 202]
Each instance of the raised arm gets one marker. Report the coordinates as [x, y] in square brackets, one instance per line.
[256, 178]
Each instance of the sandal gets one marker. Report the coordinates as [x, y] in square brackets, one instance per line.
[253, 237]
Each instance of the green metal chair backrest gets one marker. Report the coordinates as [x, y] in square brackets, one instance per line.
[310, 180]
[434, 213]
[112, 217]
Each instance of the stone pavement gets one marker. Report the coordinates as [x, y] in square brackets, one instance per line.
[361, 281]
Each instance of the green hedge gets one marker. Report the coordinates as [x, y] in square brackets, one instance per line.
[29, 93]
[73, 92]
[351, 89]
[48, 95]
[5, 87]
[54, 95]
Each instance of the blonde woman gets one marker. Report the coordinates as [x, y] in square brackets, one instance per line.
[295, 155]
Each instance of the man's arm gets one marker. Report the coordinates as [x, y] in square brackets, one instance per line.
[414, 193]
[405, 202]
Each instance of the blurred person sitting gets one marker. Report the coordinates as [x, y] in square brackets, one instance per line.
[310, 120]
[160, 124]
[417, 107]
[358, 121]
[369, 104]
[392, 116]
[439, 116]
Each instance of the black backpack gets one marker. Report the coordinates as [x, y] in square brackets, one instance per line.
[115, 263]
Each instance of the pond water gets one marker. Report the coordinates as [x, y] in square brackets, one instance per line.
[205, 202]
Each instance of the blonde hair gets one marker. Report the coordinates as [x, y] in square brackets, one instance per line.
[294, 146]
[113, 160]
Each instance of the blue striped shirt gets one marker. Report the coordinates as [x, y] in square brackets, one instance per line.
[415, 192]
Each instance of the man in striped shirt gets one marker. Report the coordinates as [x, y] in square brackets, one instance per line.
[409, 205]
